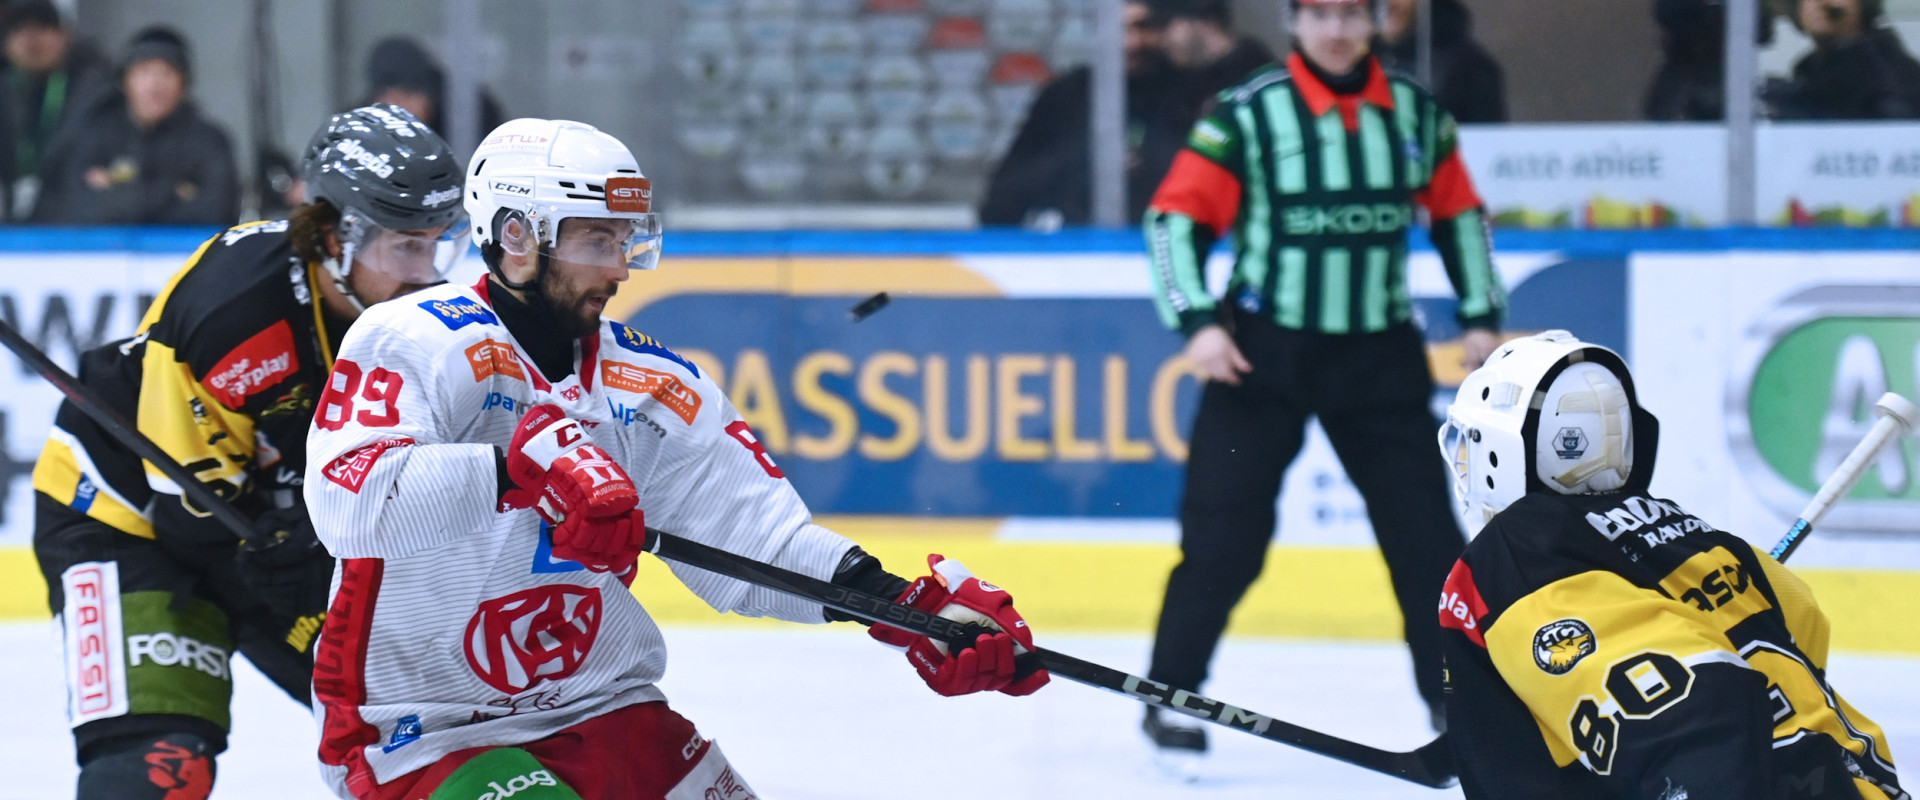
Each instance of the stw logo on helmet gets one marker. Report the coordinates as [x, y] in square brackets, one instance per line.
[628, 194]
[533, 635]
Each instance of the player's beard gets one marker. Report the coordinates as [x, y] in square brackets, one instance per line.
[576, 310]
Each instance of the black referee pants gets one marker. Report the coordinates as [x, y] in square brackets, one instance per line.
[1371, 394]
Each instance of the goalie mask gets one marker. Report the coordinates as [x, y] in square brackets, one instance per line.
[1545, 413]
[530, 177]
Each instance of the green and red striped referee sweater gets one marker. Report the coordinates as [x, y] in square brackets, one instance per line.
[1318, 191]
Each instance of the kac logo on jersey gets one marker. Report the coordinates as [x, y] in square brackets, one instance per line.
[1560, 644]
[406, 731]
[641, 343]
[533, 635]
[460, 312]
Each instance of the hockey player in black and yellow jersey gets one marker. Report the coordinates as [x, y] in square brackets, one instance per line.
[154, 595]
[1602, 642]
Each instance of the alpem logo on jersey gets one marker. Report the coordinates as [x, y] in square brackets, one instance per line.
[533, 635]
[460, 312]
[1560, 645]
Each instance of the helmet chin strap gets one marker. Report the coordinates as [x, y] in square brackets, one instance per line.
[540, 265]
[336, 269]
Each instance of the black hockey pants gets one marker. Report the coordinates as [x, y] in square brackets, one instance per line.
[1371, 394]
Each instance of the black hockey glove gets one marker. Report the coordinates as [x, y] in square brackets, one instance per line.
[288, 569]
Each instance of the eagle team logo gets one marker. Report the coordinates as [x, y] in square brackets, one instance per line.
[1559, 645]
[534, 635]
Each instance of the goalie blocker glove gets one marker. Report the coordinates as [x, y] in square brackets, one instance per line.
[586, 498]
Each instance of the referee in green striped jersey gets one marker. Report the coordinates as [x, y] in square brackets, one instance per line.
[1315, 167]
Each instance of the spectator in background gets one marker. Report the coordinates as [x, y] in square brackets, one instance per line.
[1857, 70]
[143, 154]
[1200, 41]
[1466, 79]
[1043, 181]
[1691, 83]
[401, 71]
[50, 79]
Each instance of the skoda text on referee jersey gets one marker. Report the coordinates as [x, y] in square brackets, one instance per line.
[168, 650]
[1348, 218]
[518, 784]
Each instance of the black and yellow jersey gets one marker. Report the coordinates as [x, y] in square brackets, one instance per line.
[1613, 645]
[222, 375]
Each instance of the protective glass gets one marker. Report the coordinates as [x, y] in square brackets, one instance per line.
[609, 242]
[1454, 438]
[406, 256]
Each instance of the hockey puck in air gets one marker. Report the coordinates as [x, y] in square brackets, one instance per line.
[867, 307]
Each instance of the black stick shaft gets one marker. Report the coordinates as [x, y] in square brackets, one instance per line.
[119, 428]
[1431, 765]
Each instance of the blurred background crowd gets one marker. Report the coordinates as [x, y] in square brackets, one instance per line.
[777, 113]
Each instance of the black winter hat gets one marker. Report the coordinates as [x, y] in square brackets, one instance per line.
[1215, 11]
[35, 13]
[161, 42]
[402, 63]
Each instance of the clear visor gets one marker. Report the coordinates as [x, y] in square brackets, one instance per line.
[609, 242]
[1454, 437]
[420, 256]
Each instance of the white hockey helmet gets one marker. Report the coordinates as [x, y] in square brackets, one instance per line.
[1545, 412]
[549, 171]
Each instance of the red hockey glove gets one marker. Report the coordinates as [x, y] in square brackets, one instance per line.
[577, 488]
[952, 592]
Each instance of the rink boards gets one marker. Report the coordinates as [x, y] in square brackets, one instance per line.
[1017, 404]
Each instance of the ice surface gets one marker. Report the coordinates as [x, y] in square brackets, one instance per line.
[826, 714]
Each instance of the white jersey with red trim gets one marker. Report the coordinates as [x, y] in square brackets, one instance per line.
[452, 626]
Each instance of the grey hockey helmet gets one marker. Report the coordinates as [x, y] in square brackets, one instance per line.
[397, 186]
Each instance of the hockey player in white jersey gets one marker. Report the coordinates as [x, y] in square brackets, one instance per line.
[481, 460]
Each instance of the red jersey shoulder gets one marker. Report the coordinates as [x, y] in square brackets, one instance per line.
[1461, 607]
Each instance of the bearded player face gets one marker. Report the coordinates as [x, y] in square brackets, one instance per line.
[588, 265]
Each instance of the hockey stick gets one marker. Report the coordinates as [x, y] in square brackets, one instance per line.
[117, 426]
[1898, 416]
[1430, 765]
